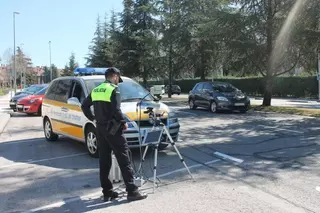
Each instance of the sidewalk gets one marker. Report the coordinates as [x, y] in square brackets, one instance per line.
[300, 103]
[4, 100]
[5, 109]
[4, 119]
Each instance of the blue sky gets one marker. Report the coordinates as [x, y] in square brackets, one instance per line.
[68, 24]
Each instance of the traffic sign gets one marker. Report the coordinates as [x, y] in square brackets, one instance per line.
[318, 76]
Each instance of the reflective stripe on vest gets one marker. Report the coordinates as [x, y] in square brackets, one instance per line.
[102, 92]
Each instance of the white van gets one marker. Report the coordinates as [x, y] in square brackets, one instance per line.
[157, 90]
[62, 114]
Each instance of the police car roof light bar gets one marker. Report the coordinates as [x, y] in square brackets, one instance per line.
[90, 71]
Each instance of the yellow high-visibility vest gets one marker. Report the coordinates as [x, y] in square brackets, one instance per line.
[103, 92]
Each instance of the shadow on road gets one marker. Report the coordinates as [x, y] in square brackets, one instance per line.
[269, 144]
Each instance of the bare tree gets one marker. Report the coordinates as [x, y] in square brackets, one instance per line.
[23, 67]
[6, 71]
[7, 56]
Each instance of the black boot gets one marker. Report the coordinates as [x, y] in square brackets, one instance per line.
[108, 197]
[136, 195]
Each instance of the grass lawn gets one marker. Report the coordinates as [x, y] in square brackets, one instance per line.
[288, 110]
[4, 91]
[277, 109]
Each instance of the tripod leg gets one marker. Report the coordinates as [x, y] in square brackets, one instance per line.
[145, 153]
[155, 166]
[143, 157]
[177, 151]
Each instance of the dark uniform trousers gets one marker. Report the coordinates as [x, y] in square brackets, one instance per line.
[118, 144]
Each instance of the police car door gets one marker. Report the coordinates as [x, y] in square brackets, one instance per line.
[76, 117]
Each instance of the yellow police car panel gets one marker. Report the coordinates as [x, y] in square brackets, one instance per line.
[62, 114]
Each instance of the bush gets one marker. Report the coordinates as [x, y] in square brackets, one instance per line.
[296, 87]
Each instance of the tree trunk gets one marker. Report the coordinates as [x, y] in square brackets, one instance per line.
[144, 75]
[170, 71]
[269, 76]
[268, 91]
[170, 59]
[202, 61]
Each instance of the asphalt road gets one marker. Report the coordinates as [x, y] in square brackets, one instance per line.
[276, 168]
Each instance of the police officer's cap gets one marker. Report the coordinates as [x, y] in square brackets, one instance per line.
[113, 70]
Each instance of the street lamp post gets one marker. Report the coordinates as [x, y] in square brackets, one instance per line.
[14, 51]
[50, 61]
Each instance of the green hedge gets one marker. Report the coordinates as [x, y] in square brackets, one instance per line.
[296, 87]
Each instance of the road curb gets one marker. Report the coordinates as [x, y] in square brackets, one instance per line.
[4, 119]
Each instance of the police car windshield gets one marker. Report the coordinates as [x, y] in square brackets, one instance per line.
[129, 90]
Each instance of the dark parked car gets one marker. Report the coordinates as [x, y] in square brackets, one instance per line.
[217, 96]
[175, 89]
[28, 91]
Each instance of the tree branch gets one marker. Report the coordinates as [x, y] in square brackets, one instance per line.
[256, 65]
[262, 73]
[291, 68]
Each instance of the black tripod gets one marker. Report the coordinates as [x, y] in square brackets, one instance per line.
[153, 138]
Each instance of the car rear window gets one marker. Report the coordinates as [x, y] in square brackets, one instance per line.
[52, 90]
[224, 87]
[91, 84]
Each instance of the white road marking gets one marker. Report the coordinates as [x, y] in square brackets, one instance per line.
[272, 127]
[228, 157]
[97, 194]
[318, 188]
[42, 160]
[190, 167]
[22, 141]
[5, 110]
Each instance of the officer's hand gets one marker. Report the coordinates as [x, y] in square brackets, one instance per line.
[125, 127]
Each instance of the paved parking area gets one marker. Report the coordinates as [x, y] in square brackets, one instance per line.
[275, 167]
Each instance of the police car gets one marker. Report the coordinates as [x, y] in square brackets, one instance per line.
[62, 114]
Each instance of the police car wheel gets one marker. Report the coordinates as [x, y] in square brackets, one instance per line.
[91, 142]
[48, 133]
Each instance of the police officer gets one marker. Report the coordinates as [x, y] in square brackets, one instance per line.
[110, 124]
